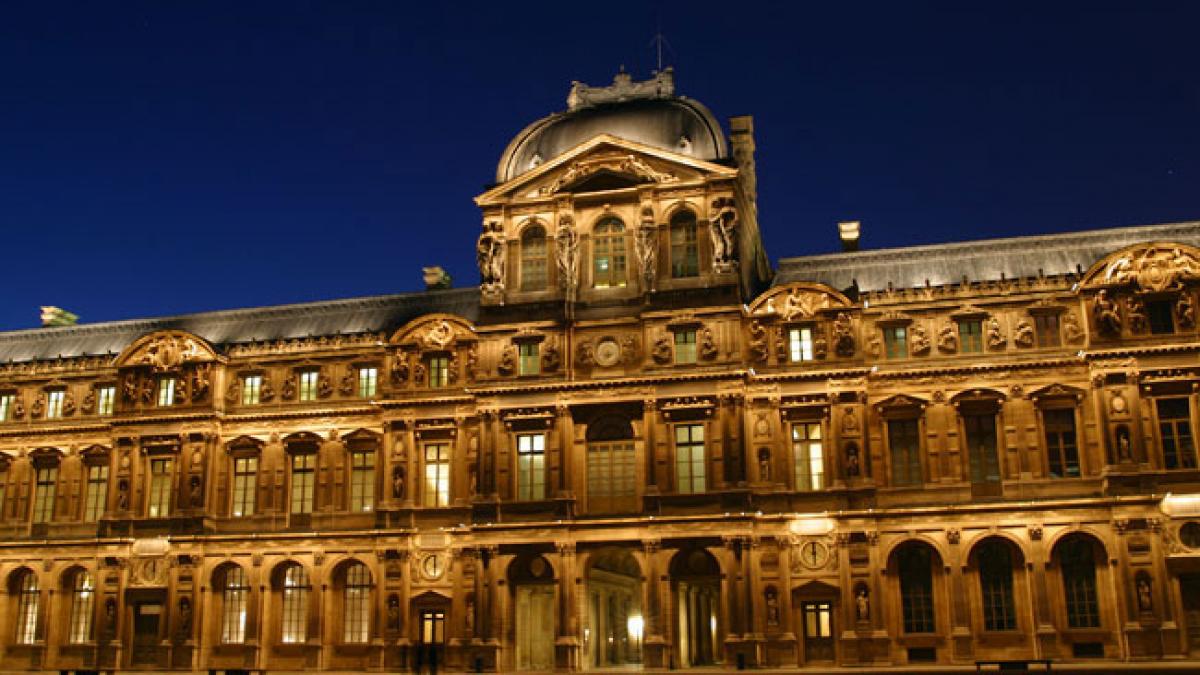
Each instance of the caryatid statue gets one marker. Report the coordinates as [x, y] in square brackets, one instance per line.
[646, 247]
[723, 222]
[567, 241]
[489, 253]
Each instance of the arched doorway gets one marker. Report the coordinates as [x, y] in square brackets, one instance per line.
[615, 627]
[696, 585]
[532, 580]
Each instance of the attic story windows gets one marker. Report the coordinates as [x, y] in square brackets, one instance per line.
[608, 254]
[534, 266]
[685, 255]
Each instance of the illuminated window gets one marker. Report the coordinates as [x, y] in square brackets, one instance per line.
[368, 381]
[916, 588]
[533, 259]
[166, 391]
[45, 491]
[970, 336]
[309, 380]
[800, 344]
[818, 619]
[83, 602]
[162, 472]
[1046, 329]
[529, 362]
[1062, 449]
[996, 586]
[97, 492]
[439, 371]
[234, 594]
[27, 608]
[437, 475]
[356, 604]
[105, 397]
[362, 481]
[6, 407]
[685, 255]
[685, 346]
[531, 467]
[808, 454]
[303, 468]
[689, 458]
[54, 403]
[608, 243]
[251, 389]
[904, 443]
[1175, 433]
[433, 626]
[245, 479]
[295, 605]
[895, 342]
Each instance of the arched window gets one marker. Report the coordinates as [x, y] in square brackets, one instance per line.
[1077, 565]
[608, 259]
[234, 594]
[685, 255]
[533, 259]
[356, 604]
[294, 625]
[995, 563]
[916, 588]
[83, 602]
[25, 586]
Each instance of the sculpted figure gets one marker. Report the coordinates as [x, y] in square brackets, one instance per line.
[129, 388]
[948, 338]
[508, 362]
[662, 352]
[843, 339]
[289, 388]
[723, 221]
[419, 373]
[995, 334]
[185, 616]
[266, 392]
[472, 362]
[39, 405]
[489, 255]
[398, 482]
[346, 386]
[567, 241]
[201, 379]
[1145, 597]
[920, 340]
[89, 402]
[1072, 332]
[708, 345]
[440, 335]
[324, 387]
[862, 604]
[585, 354]
[551, 359]
[1136, 312]
[758, 342]
[1104, 311]
[1185, 311]
[18, 406]
[147, 391]
[400, 368]
[1024, 334]
[68, 404]
[820, 344]
[645, 246]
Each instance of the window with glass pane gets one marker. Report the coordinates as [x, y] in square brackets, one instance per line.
[1160, 314]
[1045, 327]
[1078, 567]
[83, 602]
[166, 391]
[54, 403]
[105, 397]
[983, 463]
[356, 605]
[996, 586]
[895, 342]
[685, 346]
[1175, 431]
[308, 384]
[245, 479]
[45, 491]
[439, 371]
[368, 380]
[6, 406]
[608, 244]
[162, 472]
[689, 458]
[27, 608]
[808, 456]
[251, 389]
[800, 344]
[362, 481]
[433, 626]
[303, 484]
[916, 589]
[904, 442]
[685, 255]
[970, 336]
[1062, 450]
[818, 619]
[295, 605]
[529, 362]
[610, 475]
[437, 475]
[531, 467]
[97, 492]
[234, 595]
[533, 259]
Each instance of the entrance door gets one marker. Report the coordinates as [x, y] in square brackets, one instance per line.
[146, 617]
[697, 602]
[818, 631]
[432, 626]
[535, 627]
[1189, 586]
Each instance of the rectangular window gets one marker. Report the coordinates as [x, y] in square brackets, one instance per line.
[970, 336]
[1062, 450]
[685, 346]
[981, 447]
[368, 381]
[531, 467]
[689, 458]
[54, 403]
[251, 389]
[162, 472]
[362, 481]
[800, 344]
[6, 407]
[309, 380]
[685, 257]
[166, 391]
[1046, 328]
[433, 626]
[1162, 322]
[895, 342]
[44, 494]
[105, 397]
[439, 371]
[610, 476]
[1175, 431]
[245, 480]
[808, 456]
[904, 443]
[818, 619]
[529, 362]
[437, 475]
[97, 492]
[303, 484]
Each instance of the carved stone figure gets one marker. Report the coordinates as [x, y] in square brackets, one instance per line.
[849, 421]
[948, 338]
[723, 222]
[995, 334]
[266, 392]
[233, 392]
[419, 373]
[185, 617]
[439, 335]
[452, 369]
[662, 352]
[1023, 336]
[1072, 332]
[68, 403]
[472, 366]
[346, 386]
[200, 381]
[400, 368]
[508, 362]
[166, 352]
[852, 461]
[758, 342]
[89, 402]
[123, 494]
[1104, 311]
[843, 338]
[708, 345]
[146, 391]
[129, 388]
[39, 405]
[398, 482]
[645, 246]
[862, 604]
[801, 305]
[1135, 311]
[470, 617]
[920, 340]
[289, 388]
[110, 617]
[18, 404]
[196, 491]
[764, 464]
[1185, 311]
[393, 612]
[1153, 269]
[585, 354]
[489, 254]
[1145, 596]
[629, 349]
[772, 601]
[567, 242]
[1124, 449]
[551, 358]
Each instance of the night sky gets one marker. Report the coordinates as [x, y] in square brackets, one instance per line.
[170, 157]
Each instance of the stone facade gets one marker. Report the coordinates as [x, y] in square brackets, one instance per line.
[634, 444]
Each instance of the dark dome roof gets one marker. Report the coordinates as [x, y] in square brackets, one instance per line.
[632, 111]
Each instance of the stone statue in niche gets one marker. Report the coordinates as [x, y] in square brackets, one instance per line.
[551, 358]
[110, 617]
[708, 345]
[489, 254]
[862, 604]
[843, 338]
[920, 340]
[849, 421]
[852, 462]
[662, 352]
[289, 388]
[123, 495]
[473, 481]
[772, 602]
[645, 246]
[469, 611]
[508, 362]
[1023, 337]
[393, 612]
[567, 242]
[1124, 449]
[764, 465]
[948, 338]
[758, 342]
[196, 491]
[1145, 596]
[1185, 311]
[400, 368]
[89, 402]
[185, 616]
[1072, 332]
[398, 484]
[995, 334]
[723, 222]
[1104, 311]
[1135, 311]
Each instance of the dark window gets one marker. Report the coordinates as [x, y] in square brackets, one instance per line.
[1062, 451]
[904, 441]
[895, 342]
[916, 589]
[970, 336]
[1175, 429]
[685, 258]
[1161, 320]
[981, 447]
[996, 586]
[1078, 567]
[1046, 327]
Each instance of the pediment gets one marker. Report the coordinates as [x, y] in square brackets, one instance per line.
[434, 332]
[166, 350]
[1149, 268]
[798, 302]
[604, 163]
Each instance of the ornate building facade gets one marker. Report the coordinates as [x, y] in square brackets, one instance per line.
[635, 444]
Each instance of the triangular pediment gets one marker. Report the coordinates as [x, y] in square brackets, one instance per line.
[604, 163]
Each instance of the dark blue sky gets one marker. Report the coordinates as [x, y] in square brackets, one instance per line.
[167, 157]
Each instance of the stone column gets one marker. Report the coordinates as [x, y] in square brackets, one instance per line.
[567, 644]
[654, 644]
[960, 608]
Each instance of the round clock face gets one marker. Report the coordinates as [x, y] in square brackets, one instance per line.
[813, 554]
[608, 352]
[433, 566]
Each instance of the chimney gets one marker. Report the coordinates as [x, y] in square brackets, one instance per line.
[848, 231]
[57, 316]
[436, 278]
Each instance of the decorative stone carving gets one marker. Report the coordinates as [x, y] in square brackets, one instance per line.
[489, 255]
[68, 403]
[18, 406]
[185, 617]
[645, 246]
[623, 88]
[1153, 269]
[920, 344]
[398, 482]
[852, 461]
[266, 391]
[875, 346]
[567, 242]
[551, 356]
[471, 368]
[346, 385]
[439, 336]
[585, 354]
[995, 334]
[88, 405]
[1104, 312]
[39, 405]
[662, 351]
[508, 361]
[1145, 596]
[196, 491]
[123, 494]
[146, 390]
[288, 392]
[1185, 311]
[167, 352]
[400, 368]
[948, 338]
[820, 344]
[129, 388]
[758, 342]
[1023, 336]
[630, 350]
[843, 337]
[324, 386]
[629, 164]
[850, 426]
[708, 345]
[802, 304]
[1135, 313]
[862, 604]
[1072, 332]
[723, 223]
[419, 371]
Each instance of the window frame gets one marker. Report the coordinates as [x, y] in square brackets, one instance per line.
[106, 399]
[438, 367]
[685, 250]
[83, 608]
[95, 502]
[1047, 336]
[609, 245]
[997, 586]
[54, 403]
[164, 391]
[803, 463]
[252, 389]
[367, 381]
[294, 591]
[1188, 453]
[685, 352]
[531, 466]
[970, 335]
[362, 479]
[243, 492]
[308, 384]
[29, 598]
[435, 487]
[302, 463]
[45, 491]
[532, 278]
[529, 358]
[7, 399]
[918, 601]
[895, 342]
[691, 453]
[800, 348]
[234, 606]
[357, 588]
[1058, 450]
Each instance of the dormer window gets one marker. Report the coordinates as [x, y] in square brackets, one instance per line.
[608, 244]
[439, 372]
[895, 342]
[529, 361]
[685, 346]
[308, 384]
[251, 389]
[368, 381]
[105, 397]
[533, 259]
[970, 336]
[685, 255]
[166, 392]
[6, 406]
[800, 345]
[54, 403]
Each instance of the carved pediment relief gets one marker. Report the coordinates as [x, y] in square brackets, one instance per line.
[798, 302]
[628, 168]
[901, 402]
[1147, 268]
[1057, 391]
[434, 332]
[978, 396]
[166, 350]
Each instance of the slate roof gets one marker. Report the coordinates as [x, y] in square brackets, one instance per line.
[354, 315]
[980, 260]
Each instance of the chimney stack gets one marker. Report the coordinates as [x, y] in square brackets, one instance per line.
[848, 231]
[436, 278]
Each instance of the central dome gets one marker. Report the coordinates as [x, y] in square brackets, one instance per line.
[646, 112]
